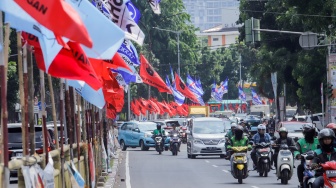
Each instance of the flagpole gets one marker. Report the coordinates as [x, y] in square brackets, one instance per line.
[44, 126]
[129, 102]
[240, 80]
[51, 89]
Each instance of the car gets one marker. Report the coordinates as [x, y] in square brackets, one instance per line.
[15, 149]
[294, 129]
[252, 121]
[138, 134]
[167, 124]
[182, 121]
[51, 130]
[206, 137]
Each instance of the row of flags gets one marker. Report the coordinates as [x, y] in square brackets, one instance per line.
[140, 106]
[217, 92]
[89, 44]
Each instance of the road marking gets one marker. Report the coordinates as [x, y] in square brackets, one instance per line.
[128, 178]
[225, 171]
[207, 161]
[254, 187]
[215, 166]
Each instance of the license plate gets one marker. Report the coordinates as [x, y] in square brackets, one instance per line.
[211, 148]
[18, 155]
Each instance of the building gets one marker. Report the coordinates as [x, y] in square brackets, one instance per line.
[218, 37]
[207, 14]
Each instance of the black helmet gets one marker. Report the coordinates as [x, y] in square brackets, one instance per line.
[308, 128]
[326, 133]
[239, 128]
[239, 132]
[158, 126]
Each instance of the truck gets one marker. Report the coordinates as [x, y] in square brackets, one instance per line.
[199, 111]
[260, 110]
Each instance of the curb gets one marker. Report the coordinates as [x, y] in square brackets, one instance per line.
[111, 177]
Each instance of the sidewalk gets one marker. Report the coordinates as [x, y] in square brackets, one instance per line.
[109, 183]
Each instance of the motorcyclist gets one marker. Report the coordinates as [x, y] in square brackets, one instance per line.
[283, 139]
[333, 127]
[303, 145]
[244, 125]
[326, 153]
[239, 139]
[228, 137]
[259, 137]
[174, 131]
[159, 132]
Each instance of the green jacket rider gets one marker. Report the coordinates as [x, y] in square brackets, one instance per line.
[230, 134]
[159, 131]
[239, 139]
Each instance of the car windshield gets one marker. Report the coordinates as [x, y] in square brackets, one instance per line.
[208, 127]
[227, 125]
[293, 127]
[147, 126]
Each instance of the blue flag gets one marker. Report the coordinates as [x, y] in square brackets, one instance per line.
[172, 75]
[89, 94]
[135, 13]
[242, 95]
[255, 98]
[128, 53]
[199, 85]
[178, 97]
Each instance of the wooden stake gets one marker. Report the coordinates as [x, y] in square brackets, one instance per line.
[78, 134]
[53, 110]
[4, 112]
[31, 101]
[62, 118]
[69, 119]
[44, 125]
[25, 81]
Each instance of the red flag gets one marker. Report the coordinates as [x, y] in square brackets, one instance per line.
[71, 64]
[151, 77]
[116, 99]
[154, 105]
[59, 17]
[161, 110]
[142, 108]
[134, 108]
[110, 111]
[181, 87]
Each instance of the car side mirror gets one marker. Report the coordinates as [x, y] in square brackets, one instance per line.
[136, 130]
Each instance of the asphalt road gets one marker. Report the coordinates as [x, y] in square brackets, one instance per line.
[148, 169]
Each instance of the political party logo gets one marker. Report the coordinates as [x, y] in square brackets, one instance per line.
[150, 70]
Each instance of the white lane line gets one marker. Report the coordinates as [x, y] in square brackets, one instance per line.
[207, 161]
[225, 171]
[254, 187]
[128, 178]
[215, 166]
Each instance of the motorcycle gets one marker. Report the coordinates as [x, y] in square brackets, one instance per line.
[159, 142]
[183, 135]
[239, 163]
[309, 172]
[285, 163]
[329, 174]
[174, 144]
[263, 158]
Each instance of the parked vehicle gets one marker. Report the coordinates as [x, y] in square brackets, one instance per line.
[199, 111]
[239, 165]
[263, 158]
[15, 149]
[206, 137]
[285, 163]
[138, 134]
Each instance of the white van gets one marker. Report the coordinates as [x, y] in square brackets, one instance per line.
[206, 136]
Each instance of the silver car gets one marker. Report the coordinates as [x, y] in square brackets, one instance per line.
[206, 136]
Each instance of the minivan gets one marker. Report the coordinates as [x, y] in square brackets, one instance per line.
[206, 136]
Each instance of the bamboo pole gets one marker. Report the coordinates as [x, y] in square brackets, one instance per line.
[44, 126]
[78, 134]
[31, 101]
[84, 127]
[62, 131]
[53, 110]
[22, 105]
[69, 119]
[4, 113]
[25, 81]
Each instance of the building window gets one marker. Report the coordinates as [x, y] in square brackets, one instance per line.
[215, 39]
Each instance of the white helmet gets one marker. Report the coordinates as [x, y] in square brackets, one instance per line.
[261, 127]
[233, 125]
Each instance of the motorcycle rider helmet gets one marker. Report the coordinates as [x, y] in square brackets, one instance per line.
[283, 130]
[308, 128]
[239, 131]
[233, 126]
[326, 133]
[332, 126]
[261, 129]
[158, 126]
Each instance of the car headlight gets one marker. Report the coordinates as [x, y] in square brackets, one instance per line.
[285, 159]
[221, 141]
[198, 141]
[148, 135]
